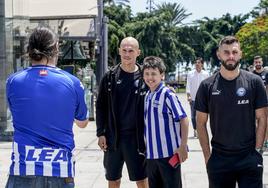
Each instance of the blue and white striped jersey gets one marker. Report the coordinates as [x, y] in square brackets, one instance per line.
[44, 101]
[162, 114]
[46, 161]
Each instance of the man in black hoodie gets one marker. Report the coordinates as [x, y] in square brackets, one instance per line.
[119, 117]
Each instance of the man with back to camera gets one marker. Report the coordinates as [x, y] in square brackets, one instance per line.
[234, 99]
[194, 78]
[260, 71]
[44, 101]
[119, 117]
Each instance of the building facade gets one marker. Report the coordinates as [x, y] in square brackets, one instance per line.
[74, 21]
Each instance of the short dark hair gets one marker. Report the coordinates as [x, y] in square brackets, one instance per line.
[228, 40]
[199, 59]
[154, 62]
[257, 57]
[42, 44]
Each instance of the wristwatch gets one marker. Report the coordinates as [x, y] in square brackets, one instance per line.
[259, 150]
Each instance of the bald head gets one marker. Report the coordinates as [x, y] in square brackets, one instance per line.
[129, 51]
[130, 41]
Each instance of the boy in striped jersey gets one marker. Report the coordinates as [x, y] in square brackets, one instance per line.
[166, 127]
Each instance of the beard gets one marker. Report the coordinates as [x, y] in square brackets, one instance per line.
[229, 67]
[258, 67]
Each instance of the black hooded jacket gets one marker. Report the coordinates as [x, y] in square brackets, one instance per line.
[105, 109]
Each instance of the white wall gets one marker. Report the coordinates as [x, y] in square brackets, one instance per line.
[38, 8]
[62, 7]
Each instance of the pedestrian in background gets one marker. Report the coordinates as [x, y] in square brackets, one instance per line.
[234, 100]
[44, 101]
[166, 128]
[194, 78]
[119, 117]
[260, 71]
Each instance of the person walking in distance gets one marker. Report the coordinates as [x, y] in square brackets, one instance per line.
[119, 117]
[194, 78]
[44, 101]
[166, 128]
[260, 71]
[234, 100]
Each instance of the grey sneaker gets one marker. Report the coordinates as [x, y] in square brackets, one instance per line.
[195, 134]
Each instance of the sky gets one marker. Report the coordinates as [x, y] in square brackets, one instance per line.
[203, 8]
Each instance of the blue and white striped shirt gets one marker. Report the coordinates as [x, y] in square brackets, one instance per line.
[46, 161]
[162, 114]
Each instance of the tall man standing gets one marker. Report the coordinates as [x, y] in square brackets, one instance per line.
[119, 117]
[260, 71]
[194, 78]
[234, 99]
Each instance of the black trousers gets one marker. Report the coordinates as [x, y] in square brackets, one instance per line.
[162, 175]
[245, 169]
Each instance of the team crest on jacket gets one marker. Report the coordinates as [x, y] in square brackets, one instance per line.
[136, 83]
[241, 92]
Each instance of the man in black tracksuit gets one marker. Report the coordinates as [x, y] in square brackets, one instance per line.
[234, 100]
[119, 117]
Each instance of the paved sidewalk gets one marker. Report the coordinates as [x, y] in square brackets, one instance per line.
[89, 168]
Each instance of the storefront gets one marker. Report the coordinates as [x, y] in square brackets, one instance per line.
[76, 27]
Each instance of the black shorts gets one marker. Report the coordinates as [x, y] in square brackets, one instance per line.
[127, 152]
[162, 175]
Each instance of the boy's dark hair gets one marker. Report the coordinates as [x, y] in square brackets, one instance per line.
[199, 59]
[228, 40]
[154, 62]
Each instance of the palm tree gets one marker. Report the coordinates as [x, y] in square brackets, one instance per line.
[118, 13]
[214, 29]
[261, 9]
[176, 13]
[117, 2]
[115, 35]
